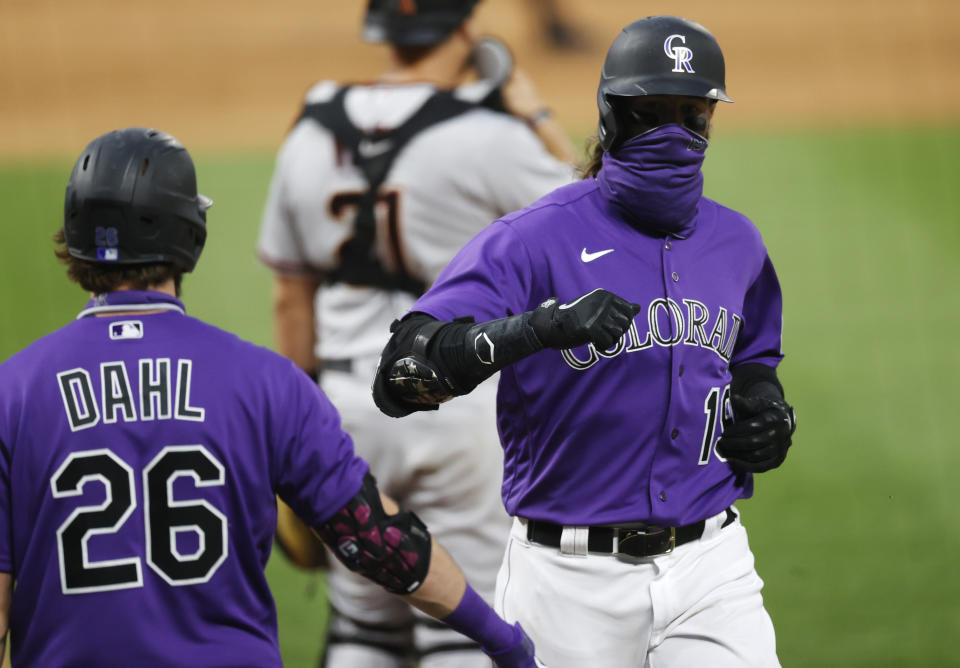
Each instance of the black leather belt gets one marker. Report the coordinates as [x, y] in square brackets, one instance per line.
[632, 541]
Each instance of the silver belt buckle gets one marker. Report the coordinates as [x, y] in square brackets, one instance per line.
[625, 538]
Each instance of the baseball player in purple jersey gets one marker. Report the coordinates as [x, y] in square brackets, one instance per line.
[141, 449]
[633, 322]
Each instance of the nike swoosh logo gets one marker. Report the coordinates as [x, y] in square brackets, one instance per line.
[369, 149]
[578, 300]
[590, 257]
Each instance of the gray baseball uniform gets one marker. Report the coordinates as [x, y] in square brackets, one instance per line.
[448, 183]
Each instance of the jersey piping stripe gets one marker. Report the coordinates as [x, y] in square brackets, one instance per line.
[506, 585]
[114, 308]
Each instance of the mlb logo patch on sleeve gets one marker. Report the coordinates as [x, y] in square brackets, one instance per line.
[126, 329]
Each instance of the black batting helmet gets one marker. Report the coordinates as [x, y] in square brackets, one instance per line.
[658, 55]
[414, 22]
[132, 199]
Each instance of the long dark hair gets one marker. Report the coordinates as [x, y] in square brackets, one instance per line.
[594, 159]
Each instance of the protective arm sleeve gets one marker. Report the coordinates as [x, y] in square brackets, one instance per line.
[392, 550]
[429, 361]
[474, 352]
[756, 380]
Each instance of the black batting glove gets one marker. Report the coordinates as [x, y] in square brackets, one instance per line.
[758, 438]
[598, 317]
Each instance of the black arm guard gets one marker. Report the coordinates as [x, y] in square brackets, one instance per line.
[474, 352]
[391, 550]
[430, 361]
[405, 380]
[427, 361]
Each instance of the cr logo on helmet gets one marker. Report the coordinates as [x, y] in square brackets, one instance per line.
[681, 55]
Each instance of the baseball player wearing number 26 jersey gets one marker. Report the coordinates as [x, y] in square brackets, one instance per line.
[633, 321]
[141, 449]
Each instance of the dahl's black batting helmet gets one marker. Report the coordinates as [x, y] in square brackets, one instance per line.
[414, 22]
[658, 55]
[132, 199]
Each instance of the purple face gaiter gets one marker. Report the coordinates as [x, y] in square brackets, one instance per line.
[654, 180]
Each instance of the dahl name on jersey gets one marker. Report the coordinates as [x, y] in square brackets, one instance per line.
[159, 396]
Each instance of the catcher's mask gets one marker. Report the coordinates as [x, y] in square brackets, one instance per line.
[414, 22]
[132, 199]
[657, 55]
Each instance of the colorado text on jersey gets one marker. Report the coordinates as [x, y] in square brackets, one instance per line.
[668, 324]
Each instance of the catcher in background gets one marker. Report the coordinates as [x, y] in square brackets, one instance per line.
[141, 449]
[631, 318]
[376, 187]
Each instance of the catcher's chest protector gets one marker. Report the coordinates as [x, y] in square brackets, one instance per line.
[374, 153]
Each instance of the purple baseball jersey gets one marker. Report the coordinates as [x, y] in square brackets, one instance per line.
[626, 434]
[139, 458]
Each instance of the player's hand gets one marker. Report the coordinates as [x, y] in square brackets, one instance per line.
[758, 438]
[518, 655]
[598, 317]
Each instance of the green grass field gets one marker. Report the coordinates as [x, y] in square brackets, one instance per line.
[857, 536]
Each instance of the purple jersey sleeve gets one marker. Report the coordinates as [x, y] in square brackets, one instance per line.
[317, 472]
[759, 342]
[9, 417]
[6, 524]
[489, 278]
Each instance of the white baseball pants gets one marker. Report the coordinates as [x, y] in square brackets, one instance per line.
[699, 606]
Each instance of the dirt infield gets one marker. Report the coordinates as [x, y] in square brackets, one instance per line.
[229, 73]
